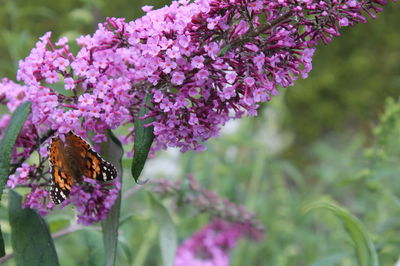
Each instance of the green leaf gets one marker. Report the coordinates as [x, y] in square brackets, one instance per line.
[7, 142]
[2, 248]
[92, 241]
[364, 248]
[126, 218]
[59, 87]
[167, 234]
[224, 50]
[146, 244]
[126, 250]
[112, 151]
[143, 139]
[6, 148]
[30, 236]
[332, 259]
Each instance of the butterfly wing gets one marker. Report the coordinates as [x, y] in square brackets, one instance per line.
[62, 178]
[93, 165]
[58, 193]
[70, 161]
[98, 168]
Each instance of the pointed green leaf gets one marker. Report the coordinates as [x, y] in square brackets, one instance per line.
[2, 248]
[125, 251]
[112, 151]
[143, 139]
[167, 234]
[6, 148]
[364, 248]
[7, 142]
[30, 235]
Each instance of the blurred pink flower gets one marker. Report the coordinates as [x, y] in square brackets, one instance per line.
[212, 244]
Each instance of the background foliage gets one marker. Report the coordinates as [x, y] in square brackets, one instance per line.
[327, 138]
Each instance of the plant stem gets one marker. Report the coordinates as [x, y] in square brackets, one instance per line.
[248, 36]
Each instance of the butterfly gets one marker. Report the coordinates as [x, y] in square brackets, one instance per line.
[72, 159]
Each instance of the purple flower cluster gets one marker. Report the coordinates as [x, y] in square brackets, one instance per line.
[203, 63]
[38, 199]
[21, 176]
[211, 245]
[93, 199]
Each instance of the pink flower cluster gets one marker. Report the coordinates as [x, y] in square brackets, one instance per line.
[203, 63]
[93, 199]
[38, 198]
[211, 245]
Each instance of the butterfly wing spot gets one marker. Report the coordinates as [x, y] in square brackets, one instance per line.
[58, 195]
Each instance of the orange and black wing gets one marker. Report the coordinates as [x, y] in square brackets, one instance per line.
[94, 166]
[62, 178]
[98, 168]
[70, 161]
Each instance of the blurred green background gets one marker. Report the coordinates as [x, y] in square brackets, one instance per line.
[327, 137]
